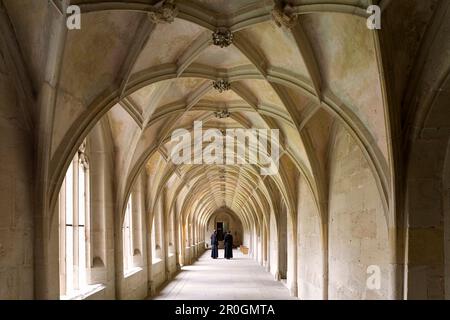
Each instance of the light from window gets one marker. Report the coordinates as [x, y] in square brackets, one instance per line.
[156, 237]
[73, 217]
[127, 233]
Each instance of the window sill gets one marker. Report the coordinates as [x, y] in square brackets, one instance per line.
[132, 272]
[84, 293]
[156, 261]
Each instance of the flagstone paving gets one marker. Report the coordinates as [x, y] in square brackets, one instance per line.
[238, 279]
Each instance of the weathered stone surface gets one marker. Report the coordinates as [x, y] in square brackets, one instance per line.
[16, 199]
[358, 228]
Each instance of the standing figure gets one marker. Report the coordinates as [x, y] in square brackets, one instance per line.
[228, 241]
[214, 245]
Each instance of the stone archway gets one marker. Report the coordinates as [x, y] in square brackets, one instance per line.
[230, 222]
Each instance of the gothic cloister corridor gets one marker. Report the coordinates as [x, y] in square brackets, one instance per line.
[238, 279]
[136, 134]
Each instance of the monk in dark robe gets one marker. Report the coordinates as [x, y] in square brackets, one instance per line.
[228, 242]
[214, 245]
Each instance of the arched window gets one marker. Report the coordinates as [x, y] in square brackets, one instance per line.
[127, 233]
[74, 204]
[171, 230]
[155, 245]
[157, 234]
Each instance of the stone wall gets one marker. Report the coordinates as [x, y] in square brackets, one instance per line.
[158, 275]
[16, 196]
[358, 234]
[427, 208]
[273, 246]
[172, 265]
[309, 246]
[283, 242]
[134, 287]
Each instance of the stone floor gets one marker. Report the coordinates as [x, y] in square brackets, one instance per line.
[239, 279]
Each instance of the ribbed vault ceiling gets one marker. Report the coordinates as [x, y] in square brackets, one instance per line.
[159, 77]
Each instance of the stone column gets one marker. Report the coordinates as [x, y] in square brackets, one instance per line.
[292, 256]
[46, 264]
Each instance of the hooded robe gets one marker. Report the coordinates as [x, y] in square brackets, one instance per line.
[214, 246]
[228, 241]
